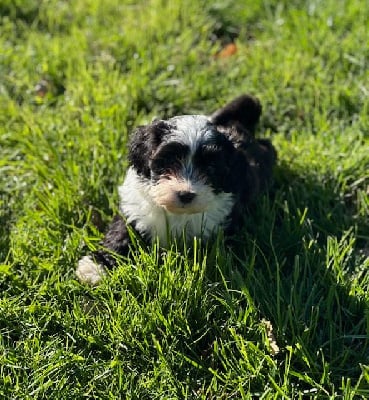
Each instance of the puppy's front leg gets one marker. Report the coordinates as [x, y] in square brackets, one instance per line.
[92, 268]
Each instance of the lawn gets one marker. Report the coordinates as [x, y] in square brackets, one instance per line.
[281, 314]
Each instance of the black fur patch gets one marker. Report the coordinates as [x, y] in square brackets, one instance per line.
[144, 142]
[116, 241]
[214, 162]
[168, 158]
[244, 110]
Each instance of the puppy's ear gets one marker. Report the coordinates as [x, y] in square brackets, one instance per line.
[244, 110]
[145, 140]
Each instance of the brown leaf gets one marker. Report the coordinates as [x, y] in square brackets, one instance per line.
[227, 51]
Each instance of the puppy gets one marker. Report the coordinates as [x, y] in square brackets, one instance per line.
[188, 177]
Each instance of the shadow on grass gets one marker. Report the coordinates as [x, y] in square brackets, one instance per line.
[300, 258]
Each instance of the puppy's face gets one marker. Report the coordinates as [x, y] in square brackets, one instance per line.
[186, 160]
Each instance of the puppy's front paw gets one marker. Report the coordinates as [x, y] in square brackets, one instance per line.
[89, 272]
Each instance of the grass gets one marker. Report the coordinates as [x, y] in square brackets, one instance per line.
[76, 77]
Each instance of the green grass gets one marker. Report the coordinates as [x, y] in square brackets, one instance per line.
[75, 78]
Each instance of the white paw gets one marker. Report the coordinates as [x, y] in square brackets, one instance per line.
[89, 272]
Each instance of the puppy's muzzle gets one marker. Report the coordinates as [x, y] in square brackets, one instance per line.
[181, 196]
[185, 197]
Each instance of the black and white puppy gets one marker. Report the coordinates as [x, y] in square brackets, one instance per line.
[188, 176]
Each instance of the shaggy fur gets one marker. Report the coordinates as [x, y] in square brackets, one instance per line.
[188, 177]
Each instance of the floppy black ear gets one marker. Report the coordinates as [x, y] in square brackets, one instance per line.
[244, 110]
[145, 140]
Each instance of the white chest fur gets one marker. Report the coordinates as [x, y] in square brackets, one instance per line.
[137, 206]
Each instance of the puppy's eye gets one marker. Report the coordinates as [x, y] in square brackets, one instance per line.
[169, 157]
[164, 164]
[210, 162]
[211, 155]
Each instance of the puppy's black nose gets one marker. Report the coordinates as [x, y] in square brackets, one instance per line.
[186, 197]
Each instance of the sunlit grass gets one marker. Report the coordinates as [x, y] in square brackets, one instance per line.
[283, 312]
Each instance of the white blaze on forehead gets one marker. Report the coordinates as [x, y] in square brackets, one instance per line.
[191, 130]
